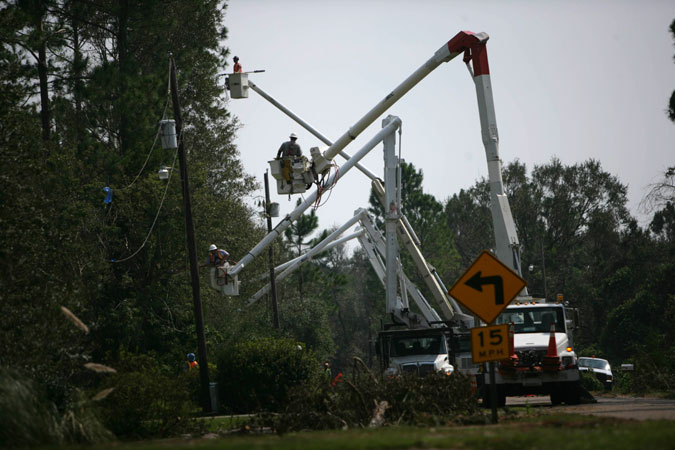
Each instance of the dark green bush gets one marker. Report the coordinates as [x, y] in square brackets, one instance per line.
[590, 382]
[654, 372]
[257, 375]
[148, 400]
[28, 419]
[433, 400]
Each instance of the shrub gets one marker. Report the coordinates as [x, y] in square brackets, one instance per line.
[433, 400]
[590, 382]
[28, 419]
[147, 400]
[257, 375]
[654, 372]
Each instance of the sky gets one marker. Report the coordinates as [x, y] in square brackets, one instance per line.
[573, 80]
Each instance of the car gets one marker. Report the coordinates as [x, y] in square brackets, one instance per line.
[598, 366]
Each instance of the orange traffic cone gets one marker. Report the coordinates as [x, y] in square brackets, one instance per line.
[552, 360]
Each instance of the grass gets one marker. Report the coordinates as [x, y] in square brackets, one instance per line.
[517, 430]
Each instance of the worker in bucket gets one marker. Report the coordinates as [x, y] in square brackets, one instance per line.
[237, 66]
[217, 257]
[288, 150]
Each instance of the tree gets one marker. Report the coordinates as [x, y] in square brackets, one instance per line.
[120, 266]
[671, 106]
[297, 236]
[572, 220]
[426, 217]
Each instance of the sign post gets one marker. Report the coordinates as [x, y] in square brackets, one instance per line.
[486, 289]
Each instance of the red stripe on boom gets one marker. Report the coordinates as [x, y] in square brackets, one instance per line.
[467, 41]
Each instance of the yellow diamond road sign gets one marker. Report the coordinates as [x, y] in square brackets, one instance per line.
[487, 287]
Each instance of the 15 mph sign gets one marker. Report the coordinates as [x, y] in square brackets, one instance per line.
[487, 287]
[490, 343]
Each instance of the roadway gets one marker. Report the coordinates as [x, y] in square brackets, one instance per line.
[608, 405]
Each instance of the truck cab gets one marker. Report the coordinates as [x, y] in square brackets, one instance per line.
[423, 351]
[543, 360]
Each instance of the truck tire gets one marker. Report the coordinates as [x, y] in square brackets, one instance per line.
[573, 393]
[557, 396]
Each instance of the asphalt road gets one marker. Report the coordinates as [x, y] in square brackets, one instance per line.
[638, 408]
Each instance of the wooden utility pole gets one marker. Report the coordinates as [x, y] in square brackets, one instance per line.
[273, 286]
[192, 253]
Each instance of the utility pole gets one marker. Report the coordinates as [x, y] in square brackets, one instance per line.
[273, 286]
[192, 253]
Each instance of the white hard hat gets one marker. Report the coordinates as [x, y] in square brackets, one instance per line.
[213, 247]
[293, 136]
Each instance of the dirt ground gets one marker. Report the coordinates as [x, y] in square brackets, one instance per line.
[608, 405]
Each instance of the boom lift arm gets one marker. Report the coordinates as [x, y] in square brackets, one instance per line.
[474, 49]
[405, 233]
[373, 242]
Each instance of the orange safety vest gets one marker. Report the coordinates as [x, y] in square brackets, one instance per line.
[237, 68]
[218, 257]
[193, 364]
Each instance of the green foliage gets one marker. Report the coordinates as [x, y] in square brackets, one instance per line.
[257, 375]
[148, 400]
[357, 402]
[590, 382]
[654, 372]
[426, 216]
[28, 418]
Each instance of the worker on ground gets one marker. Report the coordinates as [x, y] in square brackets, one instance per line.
[191, 361]
[237, 66]
[217, 257]
[327, 374]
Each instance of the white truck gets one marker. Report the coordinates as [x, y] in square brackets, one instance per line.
[543, 361]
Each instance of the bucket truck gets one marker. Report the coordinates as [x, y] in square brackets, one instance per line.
[426, 343]
[518, 374]
[543, 360]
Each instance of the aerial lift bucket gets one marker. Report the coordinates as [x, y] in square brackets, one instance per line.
[222, 282]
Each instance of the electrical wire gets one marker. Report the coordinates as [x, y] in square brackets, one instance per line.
[323, 187]
[159, 129]
[175, 154]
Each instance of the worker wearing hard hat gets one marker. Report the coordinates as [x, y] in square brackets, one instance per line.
[217, 257]
[289, 148]
[237, 66]
[191, 361]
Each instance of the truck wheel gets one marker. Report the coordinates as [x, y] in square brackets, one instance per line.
[556, 396]
[501, 397]
[573, 393]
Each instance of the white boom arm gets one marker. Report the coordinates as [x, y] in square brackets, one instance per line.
[321, 246]
[297, 212]
[307, 127]
[405, 232]
[373, 242]
[444, 54]
[473, 46]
